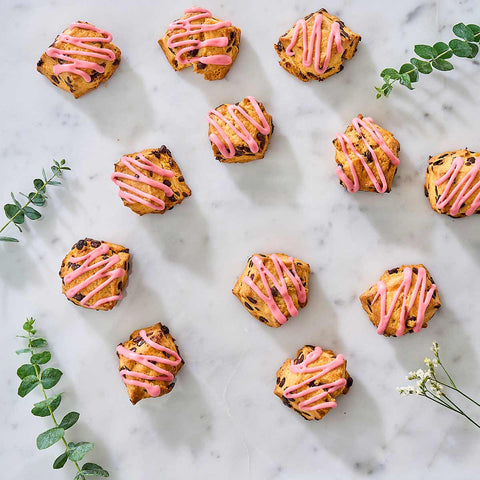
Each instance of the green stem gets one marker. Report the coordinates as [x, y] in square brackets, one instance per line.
[446, 373]
[458, 391]
[37, 372]
[45, 183]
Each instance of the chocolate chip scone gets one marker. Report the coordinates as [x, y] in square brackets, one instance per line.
[452, 183]
[150, 181]
[198, 39]
[312, 381]
[403, 300]
[94, 273]
[367, 156]
[239, 132]
[148, 362]
[273, 287]
[316, 46]
[80, 59]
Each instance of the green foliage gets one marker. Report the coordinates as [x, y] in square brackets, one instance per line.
[32, 376]
[16, 213]
[432, 57]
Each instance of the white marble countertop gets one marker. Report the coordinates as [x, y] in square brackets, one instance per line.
[222, 419]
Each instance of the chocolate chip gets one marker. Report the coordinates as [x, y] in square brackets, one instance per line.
[95, 243]
[299, 359]
[248, 306]
[349, 382]
[40, 63]
[168, 183]
[55, 79]
[263, 319]
[181, 179]
[392, 271]
[438, 162]
[79, 297]
[116, 61]
[415, 270]
[282, 382]
[74, 266]
[200, 66]
[120, 285]
[165, 329]
[369, 156]
[275, 292]
[138, 340]
[192, 53]
[80, 245]
[470, 161]
[250, 299]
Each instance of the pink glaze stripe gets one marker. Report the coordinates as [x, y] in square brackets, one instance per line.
[318, 371]
[149, 361]
[76, 65]
[135, 194]
[186, 28]
[280, 284]
[462, 189]
[221, 138]
[424, 299]
[367, 124]
[313, 45]
[105, 271]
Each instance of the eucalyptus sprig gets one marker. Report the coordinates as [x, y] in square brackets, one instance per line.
[432, 57]
[32, 376]
[16, 212]
[430, 386]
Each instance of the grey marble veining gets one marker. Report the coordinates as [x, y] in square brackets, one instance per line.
[222, 418]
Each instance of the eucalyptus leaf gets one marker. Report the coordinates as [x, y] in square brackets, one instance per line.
[460, 48]
[91, 469]
[425, 51]
[462, 31]
[45, 407]
[442, 50]
[40, 358]
[10, 210]
[442, 65]
[39, 343]
[39, 185]
[8, 239]
[69, 420]
[60, 461]
[27, 385]
[25, 371]
[422, 66]
[31, 213]
[79, 450]
[50, 377]
[37, 199]
[49, 438]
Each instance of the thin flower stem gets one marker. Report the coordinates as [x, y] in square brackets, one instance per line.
[445, 370]
[458, 391]
[37, 373]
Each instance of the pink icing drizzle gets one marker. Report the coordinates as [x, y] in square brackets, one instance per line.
[77, 66]
[135, 194]
[313, 45]
[228, 151]
[462, 189]
[151, 362]
[105, 271]
[188, 28]
[279, 284]
[424, 299]
[318, 371]
[367, 124]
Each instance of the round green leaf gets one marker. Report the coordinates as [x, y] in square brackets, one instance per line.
[11, 210]
[92, 469]
[474, 48]
[49, 438]
[390, 72]
[27, 385]
[37, 199]
[50, 377]
[442, 50]
[442, 65]
[80, 449]
[43, 408]
[462, 31]
[69, 420]
[26, 370]
[460, 48]
[40, 358]
[60, 461]
[475, 29]
[31, 213]
[39, 185]
[425, 51]
[422, 66]
[411, 70]
[39, 343]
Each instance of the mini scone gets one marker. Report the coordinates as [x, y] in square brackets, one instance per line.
[148, 362]
[94, 273]
[316, 46]
[367, 156]
[80, 59]
[239, 132]
[273, 287]
[402, 301]
[198, 39]
[311, 382]
[150, 181]
[452, 183]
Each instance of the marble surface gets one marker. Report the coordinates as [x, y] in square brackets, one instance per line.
[222, 418]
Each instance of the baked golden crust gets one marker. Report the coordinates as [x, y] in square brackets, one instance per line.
[438, 167]
[286, 378]
[393, 280]
[177, 190]
[160, 335]
[72, 82]
[243, 152]
[386, 166]
[209, 71]
[255, 305]
[294, 64]
[118, 271]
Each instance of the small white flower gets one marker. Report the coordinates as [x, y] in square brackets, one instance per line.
[435, 348]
